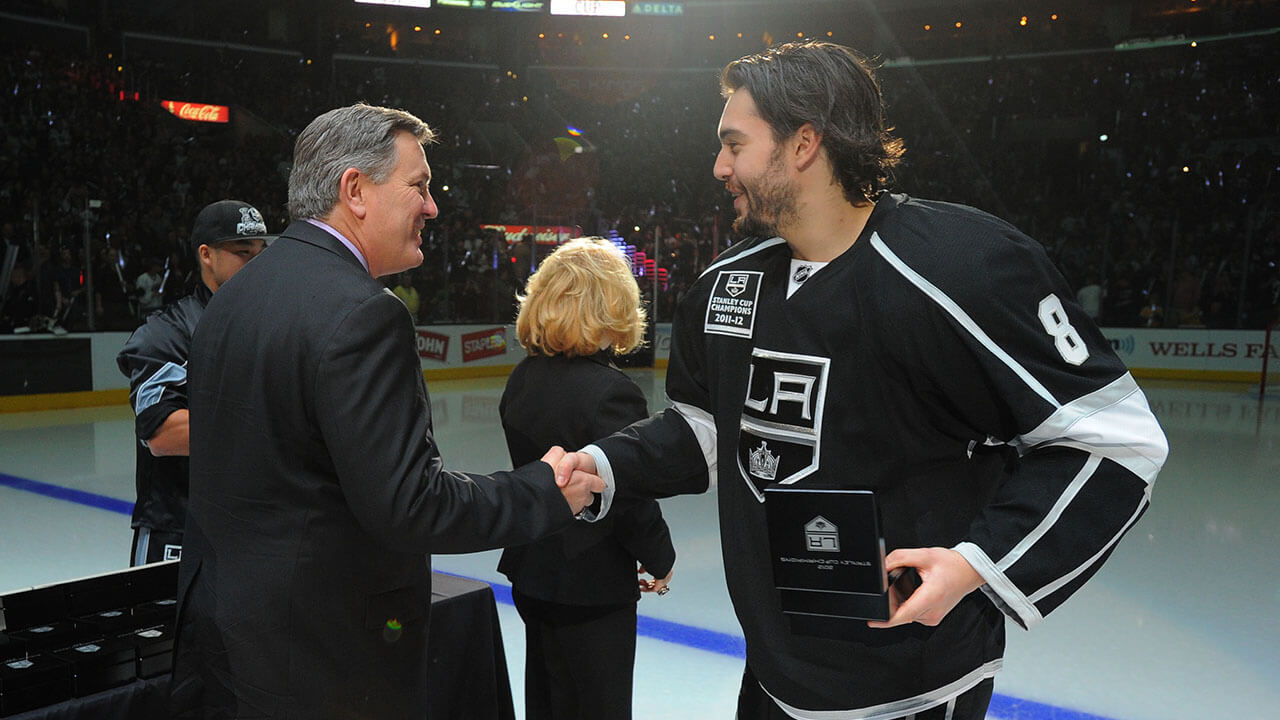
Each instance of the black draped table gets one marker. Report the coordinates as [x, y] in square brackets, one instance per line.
[468, 677]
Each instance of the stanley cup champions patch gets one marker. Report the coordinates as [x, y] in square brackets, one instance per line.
[731, 310]
[778, 437]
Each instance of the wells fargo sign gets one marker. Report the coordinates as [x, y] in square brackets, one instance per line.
[198, 112]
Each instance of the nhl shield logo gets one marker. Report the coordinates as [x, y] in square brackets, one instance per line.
[781, 427]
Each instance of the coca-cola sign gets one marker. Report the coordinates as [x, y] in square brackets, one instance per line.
[198, 112]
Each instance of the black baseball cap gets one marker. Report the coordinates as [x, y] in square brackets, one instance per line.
[228, 220]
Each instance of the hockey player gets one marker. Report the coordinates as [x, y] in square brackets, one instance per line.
[925, 350]
[227, 234]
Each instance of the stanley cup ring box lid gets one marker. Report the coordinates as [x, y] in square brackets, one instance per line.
[827, 553]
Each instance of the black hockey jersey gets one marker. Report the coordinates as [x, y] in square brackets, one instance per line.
[940, 361]
[155, 361]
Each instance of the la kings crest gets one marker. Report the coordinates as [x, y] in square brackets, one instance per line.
[781, 426]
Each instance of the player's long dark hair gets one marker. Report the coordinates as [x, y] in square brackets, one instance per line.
[832, 88]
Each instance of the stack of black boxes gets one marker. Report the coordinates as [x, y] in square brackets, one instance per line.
[85, 636]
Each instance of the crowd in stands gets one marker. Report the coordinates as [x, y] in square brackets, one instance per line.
[1151, 175]
[1154, 173]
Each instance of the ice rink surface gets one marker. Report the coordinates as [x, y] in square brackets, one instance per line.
[1183, 623]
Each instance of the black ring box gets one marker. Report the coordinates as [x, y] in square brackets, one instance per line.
[828, 556]
[27, 683]
[82, 636]
[48, 637]
[148, 583]
[101, 664]
[156, 612]
[11, 647]
[107, 623]
[154, 649]
[34, 607]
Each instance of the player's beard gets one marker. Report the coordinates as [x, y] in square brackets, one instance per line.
[771, 202]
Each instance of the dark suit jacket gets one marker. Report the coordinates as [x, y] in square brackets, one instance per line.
[572, 402]
[317, 492]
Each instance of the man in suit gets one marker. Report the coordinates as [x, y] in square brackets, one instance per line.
[317, 490]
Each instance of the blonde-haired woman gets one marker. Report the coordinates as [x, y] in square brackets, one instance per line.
[577, 590]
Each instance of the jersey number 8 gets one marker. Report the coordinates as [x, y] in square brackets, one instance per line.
[1065, 337]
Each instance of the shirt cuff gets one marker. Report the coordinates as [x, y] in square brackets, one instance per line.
[605, 471]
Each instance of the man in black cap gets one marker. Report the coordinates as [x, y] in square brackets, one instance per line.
[227, 234]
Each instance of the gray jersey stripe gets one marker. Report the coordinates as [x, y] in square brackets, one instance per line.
[745, 254]
[999, 589]
[961, 317]
[150, 391]
[1053, 587]
[1047, 522]
[899, 708]
[1114, 421]
[704, 428]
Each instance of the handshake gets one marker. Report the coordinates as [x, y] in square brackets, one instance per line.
[576, 476]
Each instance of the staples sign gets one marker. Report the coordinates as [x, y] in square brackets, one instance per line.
[433, 345]
[198, 112]
[484, 343]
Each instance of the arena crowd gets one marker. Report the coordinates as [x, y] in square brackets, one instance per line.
[1149, 168]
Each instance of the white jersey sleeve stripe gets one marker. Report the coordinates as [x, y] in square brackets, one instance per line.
[746, 253]
[999, 588]
[703, 425]
[1115, 422]
[1047, 523]
[1053, 587]
[960, 316]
